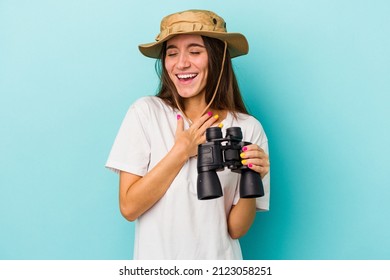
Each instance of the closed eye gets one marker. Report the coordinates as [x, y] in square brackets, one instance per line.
[171, 54]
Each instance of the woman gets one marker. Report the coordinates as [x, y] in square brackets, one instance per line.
[156, 147]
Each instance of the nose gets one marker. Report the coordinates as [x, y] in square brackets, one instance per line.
[183, 62]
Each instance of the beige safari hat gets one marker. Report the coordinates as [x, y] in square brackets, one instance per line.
[198, 22]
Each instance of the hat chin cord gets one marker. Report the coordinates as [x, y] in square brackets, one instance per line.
[215, 91]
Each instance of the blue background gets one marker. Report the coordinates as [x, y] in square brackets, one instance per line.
[317, 77]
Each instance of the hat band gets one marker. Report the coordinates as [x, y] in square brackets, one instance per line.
[187, 27]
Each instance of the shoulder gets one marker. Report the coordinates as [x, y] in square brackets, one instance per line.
[248, 121]
[149, 104]
[251, 127]
[149, 101]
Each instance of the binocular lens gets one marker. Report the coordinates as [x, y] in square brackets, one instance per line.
[208, 185]
[251, 185]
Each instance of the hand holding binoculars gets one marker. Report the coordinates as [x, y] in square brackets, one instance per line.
[218, 153]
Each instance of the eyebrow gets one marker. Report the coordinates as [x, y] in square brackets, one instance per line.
[189, 46]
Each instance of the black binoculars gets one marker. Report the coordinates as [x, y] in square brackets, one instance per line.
[218, 153]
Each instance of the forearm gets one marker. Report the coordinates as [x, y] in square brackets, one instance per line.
[139, 196]
[241, 217]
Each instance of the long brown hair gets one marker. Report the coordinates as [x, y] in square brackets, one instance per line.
[228, 96]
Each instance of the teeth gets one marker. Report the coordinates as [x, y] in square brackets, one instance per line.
[186, 76]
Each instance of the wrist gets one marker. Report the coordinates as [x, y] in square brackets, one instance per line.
[180, 152]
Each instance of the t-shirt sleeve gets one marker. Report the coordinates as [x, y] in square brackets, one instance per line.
[255, 134]
[131, 149]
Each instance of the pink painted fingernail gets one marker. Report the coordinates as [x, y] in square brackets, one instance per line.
[250, 165]
[244, 149]
[178, 117]
[210, 114]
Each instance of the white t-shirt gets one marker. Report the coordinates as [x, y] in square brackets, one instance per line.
[179, 226]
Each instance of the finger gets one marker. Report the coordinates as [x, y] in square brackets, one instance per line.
[180, 124]
[262, 170]
[201, 121]
[252, 147]
[202, 139]
[208, 123]
[254, 154]
[257, 162]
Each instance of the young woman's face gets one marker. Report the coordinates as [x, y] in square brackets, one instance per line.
[186, 62]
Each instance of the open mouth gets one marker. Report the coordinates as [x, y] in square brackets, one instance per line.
[186, 77]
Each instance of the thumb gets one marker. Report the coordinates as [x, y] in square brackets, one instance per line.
[180, 124]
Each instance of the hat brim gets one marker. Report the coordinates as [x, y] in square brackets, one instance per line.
[237, 43]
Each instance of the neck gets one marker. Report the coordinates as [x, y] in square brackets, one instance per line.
[194, 108]
[194, 111]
